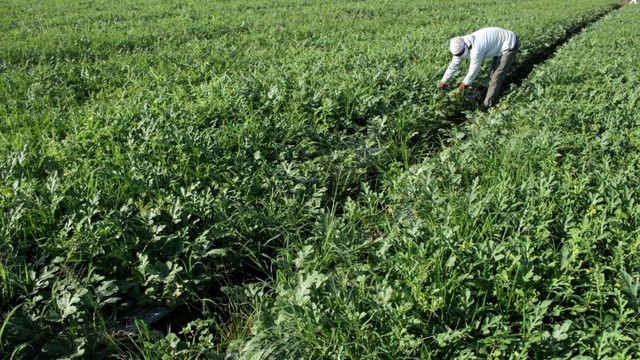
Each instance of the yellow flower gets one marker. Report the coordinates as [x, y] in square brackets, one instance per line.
[591, 211]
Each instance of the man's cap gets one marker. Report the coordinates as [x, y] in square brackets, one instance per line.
[456, 45]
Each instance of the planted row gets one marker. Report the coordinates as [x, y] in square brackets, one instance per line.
[162, 150]
[519, 240]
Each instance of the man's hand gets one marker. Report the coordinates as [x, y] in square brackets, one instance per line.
[442, 86]
[463, 86]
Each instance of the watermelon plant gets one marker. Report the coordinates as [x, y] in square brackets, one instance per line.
[157, 151]
[518, 240]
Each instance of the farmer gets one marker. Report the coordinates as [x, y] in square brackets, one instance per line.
[500, 44]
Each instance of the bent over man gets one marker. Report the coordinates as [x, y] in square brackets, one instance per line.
[500, 44]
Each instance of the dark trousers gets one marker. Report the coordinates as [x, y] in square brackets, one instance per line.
[499, 69]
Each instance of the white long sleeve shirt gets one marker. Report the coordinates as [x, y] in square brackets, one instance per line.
[484, 43]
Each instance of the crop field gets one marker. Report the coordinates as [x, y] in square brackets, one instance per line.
[283, 179]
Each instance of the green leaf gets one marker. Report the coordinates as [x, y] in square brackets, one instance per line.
[560, 331]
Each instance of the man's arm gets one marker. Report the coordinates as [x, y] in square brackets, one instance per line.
[453, 67]
[474, 68]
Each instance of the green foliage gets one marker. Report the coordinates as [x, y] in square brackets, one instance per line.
[517, 240]
[156, 150]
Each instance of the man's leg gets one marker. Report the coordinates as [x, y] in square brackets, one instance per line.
[494, 66]
[499, 70]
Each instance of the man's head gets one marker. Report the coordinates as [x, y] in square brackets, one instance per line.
[458, 47]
